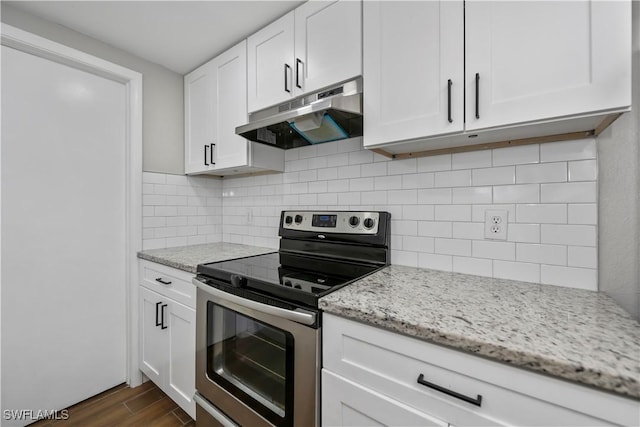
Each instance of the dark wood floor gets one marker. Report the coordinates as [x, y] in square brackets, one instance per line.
[122, 406]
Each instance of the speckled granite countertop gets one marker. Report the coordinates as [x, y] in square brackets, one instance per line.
[187, 258]
[572, 334]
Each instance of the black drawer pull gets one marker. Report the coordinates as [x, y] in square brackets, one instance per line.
[211, 152]
[205, 155]
[286, 78]
[477, 95]
[162, 325]
[298, 62]
[449, 84]
[477, 401]
[157, 306]
[164, 282]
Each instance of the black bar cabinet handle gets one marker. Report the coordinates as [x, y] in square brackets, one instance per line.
[298, 62]
[164, 282]
[162, 325]
[477, 95]
[211, 153]
[205, 155]
[286, 79]
[449, 84]
[477, 401]
[157, 306]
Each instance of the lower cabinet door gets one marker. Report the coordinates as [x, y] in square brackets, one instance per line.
[345, 403]
[153, 348]
[180, 380]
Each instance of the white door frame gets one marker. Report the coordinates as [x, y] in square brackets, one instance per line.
[44, 48]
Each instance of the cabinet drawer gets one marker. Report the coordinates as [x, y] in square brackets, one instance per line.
[391, 364]
[170, 282]
[345, 403]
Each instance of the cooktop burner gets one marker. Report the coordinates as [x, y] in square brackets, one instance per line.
[320, 251]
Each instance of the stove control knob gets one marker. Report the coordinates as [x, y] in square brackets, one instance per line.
[288, 219]
[287, 283]
[368, 223]
[354, 221]
[298, 219]
[238, 281]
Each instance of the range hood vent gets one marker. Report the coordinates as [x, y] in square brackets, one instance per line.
[325, 116]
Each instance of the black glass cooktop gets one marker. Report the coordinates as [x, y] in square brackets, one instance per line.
[296, 278]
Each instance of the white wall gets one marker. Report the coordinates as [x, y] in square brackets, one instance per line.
[619, 209]
[162, 90]
[438, 203]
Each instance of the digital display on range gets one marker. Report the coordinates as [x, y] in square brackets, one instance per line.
[324, 220]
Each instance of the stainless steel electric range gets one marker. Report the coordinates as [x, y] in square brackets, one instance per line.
[258, 323]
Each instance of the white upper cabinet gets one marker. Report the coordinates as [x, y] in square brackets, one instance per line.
[540, 60]
[316, 45]
[531, 69]
[199, 133]
[215, 104]
[270, 64]
[413, 68]
[328, 44]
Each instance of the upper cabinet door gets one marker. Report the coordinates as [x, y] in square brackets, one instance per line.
[270, 64]
[199, 131]
[413, 70]
[328, 44]
[530, 61]
[230, 106]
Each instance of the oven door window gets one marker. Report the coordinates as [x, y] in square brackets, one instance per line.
[253, 361]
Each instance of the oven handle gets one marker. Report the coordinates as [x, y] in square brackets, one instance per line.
[297, 315]
[211, 410]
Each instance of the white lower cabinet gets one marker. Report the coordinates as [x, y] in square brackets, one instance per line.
[167, 333]
[346, 403]
[371, 376]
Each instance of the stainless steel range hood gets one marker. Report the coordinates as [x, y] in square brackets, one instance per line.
[329, 115]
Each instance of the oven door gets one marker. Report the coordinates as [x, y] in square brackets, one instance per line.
[256, 363]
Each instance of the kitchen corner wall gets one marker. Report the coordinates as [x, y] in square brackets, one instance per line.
[438, 204]
[180, 210]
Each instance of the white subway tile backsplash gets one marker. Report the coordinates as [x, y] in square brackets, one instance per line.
[435, 261]
[568, 150]
[418, 244]
[581, 278]
[516, 155]
[417, 212]
[583, 170]
[528, 233]
[373, 169]
[525, 193]
[461, 178]
[467, 265]
[542, 213]
[434, 163]
[580, 256]
[527, 272]
[402, 197]
[494, 176]
[544, 172]
[578, 235]
[472, 195]
[570, 192]
[494, 250]
[471, 160]
[434, 196]
[388, 182]
[453, 247]
[418, 180]
[400, 167]
[435, 229]
[453, 213]
[583, 213]
[437, 205]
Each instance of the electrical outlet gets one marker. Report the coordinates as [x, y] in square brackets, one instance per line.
[495, 224]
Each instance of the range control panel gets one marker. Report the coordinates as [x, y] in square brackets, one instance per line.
[332, 222]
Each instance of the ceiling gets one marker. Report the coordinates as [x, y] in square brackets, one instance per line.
[180, 35]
